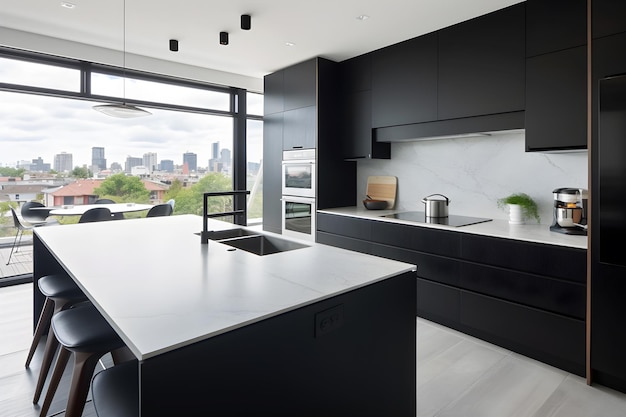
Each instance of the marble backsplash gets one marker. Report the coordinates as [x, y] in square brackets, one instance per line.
[474, 172]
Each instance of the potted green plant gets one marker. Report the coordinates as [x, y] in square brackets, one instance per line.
[521, 206]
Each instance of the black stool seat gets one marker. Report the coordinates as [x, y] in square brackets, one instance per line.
[83, 329]
[59, 286]
[61, 293]
[115, 391]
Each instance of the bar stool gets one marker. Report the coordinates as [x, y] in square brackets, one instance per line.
[115, 391]
[61, 293]
[85, 333]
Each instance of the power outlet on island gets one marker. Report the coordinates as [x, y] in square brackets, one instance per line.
[328, 320]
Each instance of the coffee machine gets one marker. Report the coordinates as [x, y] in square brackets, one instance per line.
[570, 211]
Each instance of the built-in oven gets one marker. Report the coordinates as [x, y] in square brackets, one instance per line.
[299, 217]
[298, 170]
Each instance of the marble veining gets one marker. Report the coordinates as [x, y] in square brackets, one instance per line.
[474, 172]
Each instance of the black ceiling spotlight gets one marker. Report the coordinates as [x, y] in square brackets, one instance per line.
[223, 38]
[173, 45]
[246, 22]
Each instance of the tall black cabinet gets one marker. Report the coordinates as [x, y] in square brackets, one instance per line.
[303, 110]
[608, 174]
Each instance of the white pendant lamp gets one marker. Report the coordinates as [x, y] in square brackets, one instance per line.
[122, 110]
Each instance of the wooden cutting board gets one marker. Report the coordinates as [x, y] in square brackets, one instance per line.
[382, 187]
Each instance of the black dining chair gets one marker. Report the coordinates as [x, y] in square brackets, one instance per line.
[20, 229]
[114, 216]
[115, 391]
[37, 217]
[160, 210]
[95, 215]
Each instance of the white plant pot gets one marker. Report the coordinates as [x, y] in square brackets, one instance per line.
[515, 214]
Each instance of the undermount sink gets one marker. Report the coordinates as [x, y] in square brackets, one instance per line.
[230, 233]
[262, 244]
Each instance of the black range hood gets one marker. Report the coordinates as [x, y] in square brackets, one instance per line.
[467, 126]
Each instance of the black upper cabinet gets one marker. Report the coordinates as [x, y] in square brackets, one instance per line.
[609, 17]
[273, 93]
[481, 65]
[556, 100]
[300, 128]
[300, 83]
[554, 25]
[404, 82]
[356, 73]
[358, 140]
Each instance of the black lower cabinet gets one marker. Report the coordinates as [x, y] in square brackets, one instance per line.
[526, 297]
[550, 338]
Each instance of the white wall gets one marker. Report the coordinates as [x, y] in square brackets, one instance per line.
[474, 172]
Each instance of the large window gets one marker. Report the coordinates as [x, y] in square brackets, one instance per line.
[51, 134]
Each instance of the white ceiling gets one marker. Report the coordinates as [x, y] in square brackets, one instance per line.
[327, 28]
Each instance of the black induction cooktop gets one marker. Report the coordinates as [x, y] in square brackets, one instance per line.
[420, 217]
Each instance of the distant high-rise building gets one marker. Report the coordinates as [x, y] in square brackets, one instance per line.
[132, 162]
[215, 150]
[97, 158]
[63, 162]
[39, 166]
[191, 159]
[150, 161]
[167, 165]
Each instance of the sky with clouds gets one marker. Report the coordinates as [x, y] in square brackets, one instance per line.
[35, 126]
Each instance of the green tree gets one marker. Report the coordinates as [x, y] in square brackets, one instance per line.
[81, 172]
[175, 188]
[11, 172]
[122, 188]
[190, 200]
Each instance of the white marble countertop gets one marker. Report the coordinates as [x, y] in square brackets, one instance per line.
[161, 289]
[531, 232]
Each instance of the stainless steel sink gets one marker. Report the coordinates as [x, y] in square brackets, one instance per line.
[262, 244]
[230, 233]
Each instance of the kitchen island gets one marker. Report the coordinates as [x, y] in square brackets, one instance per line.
[218, 330]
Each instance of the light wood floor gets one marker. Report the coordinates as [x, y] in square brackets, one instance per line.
[457, 375]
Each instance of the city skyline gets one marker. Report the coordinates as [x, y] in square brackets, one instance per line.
[42, 127]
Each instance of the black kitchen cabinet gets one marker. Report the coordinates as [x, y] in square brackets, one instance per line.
[481, 65]
[404, 82]
[609, 17]
[300, 128]
[300, 85]
[273, 98]
[608, 283]
[555, 25]
[272, 158]
[556, 100]
[524, 296]
[358, 139]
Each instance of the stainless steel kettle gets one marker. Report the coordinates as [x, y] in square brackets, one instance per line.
[436, 207]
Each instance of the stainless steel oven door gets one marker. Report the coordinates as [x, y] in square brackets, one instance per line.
[298, 172]
[299, 217]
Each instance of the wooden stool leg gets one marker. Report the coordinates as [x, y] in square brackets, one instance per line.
[42, 325]
[48, 356]
[59, 368]
[84, 366]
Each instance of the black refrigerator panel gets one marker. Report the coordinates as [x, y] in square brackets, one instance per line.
[611, 220]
